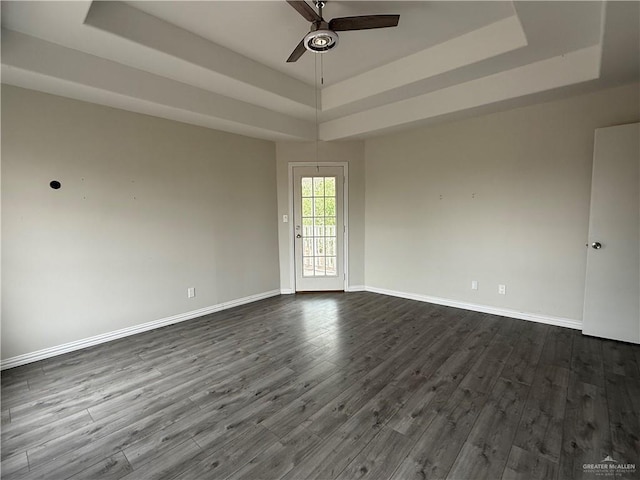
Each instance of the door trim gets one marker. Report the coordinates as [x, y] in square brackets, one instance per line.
[345, 207]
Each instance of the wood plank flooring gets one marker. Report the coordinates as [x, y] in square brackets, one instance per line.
[328, 386]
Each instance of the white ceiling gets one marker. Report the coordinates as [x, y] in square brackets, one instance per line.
[221, 64]
[279, 25]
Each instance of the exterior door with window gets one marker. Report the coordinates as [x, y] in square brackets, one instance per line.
[318, 210]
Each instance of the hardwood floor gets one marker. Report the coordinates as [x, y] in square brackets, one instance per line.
[327, 386]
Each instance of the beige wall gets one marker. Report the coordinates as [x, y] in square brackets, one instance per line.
[501, 199]
[353, 154]
[148, 207]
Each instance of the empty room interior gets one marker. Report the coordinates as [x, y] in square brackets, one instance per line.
[332, 240]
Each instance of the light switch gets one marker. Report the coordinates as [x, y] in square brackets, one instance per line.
[285, 218]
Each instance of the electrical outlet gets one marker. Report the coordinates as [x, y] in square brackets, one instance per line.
[502, 289]
[474, 284]
[191, 292]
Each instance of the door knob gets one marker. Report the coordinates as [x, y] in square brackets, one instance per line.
[300, 236]
[596, 245]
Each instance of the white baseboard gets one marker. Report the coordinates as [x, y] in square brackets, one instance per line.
[352, 288]
[356, 288]
[125, 332]
[503, 312]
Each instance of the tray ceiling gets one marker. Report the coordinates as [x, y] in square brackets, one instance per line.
[221, 64]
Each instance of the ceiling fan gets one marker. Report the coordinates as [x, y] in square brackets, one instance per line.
[323, 36]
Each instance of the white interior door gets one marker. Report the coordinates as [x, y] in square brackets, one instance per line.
[318, 210]
[612, 288]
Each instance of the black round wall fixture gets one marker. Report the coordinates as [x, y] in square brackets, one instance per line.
[55, 184]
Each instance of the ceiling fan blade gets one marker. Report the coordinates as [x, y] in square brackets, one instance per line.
[297, 52]
[305, 10]
[364, 22]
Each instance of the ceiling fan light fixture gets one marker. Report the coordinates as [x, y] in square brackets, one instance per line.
[320, 41]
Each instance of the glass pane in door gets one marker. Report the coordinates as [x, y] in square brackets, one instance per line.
[319, 233]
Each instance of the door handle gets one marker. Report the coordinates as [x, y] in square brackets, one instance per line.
[298, 236]
[596, 245]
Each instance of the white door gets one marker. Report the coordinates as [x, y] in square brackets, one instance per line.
[612, 288]
[318, 210]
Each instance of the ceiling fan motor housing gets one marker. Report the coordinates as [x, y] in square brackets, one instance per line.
[320, 39]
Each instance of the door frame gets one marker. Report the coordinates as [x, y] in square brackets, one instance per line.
[345, 216]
